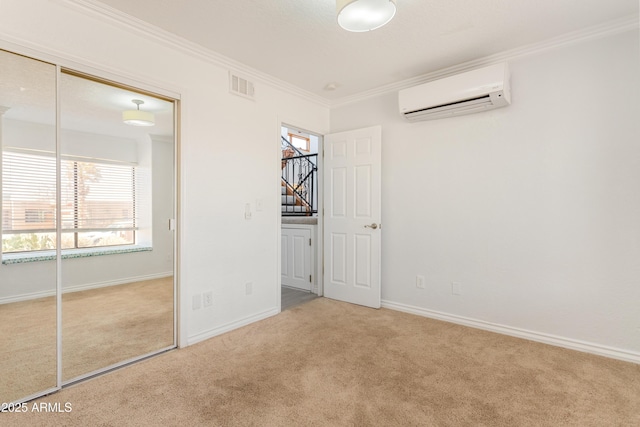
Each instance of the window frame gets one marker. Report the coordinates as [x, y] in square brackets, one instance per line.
[75, 230]
[305, 138]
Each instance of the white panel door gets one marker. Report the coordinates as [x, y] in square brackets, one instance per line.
[352, 216]
[296, 258]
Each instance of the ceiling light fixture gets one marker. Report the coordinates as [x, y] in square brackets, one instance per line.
[364, 15]
[331, 86]
[138, 117]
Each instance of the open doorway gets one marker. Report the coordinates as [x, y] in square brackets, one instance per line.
[301, 211]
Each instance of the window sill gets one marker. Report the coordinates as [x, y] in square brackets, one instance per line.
[20, 258]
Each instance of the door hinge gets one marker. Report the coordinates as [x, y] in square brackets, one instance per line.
[310, 281]
[309, 241]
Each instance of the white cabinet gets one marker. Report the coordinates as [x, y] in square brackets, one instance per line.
[297, 253]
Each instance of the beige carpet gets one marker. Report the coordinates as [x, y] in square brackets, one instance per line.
[28, 350]
[328, 363]
[100, 327]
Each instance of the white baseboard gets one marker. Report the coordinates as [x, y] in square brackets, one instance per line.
[83, 287]
[210, 333]
[600, 350]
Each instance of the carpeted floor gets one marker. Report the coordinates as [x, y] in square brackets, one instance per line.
[100, 327]
[327, 363]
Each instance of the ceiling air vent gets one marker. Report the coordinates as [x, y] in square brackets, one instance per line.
[241, 86]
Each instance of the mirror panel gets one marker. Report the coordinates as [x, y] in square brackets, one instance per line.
[28, 354]
[117, 196]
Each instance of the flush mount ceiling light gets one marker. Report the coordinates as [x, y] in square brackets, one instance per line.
[332, 86]
[364, 15]
[137, 117]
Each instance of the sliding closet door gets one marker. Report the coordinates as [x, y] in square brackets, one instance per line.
[28, 298]
[117, 199]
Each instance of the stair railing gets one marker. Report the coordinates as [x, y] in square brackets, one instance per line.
[299, 174]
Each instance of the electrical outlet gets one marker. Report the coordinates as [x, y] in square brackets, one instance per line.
[247, 211]
[207, 299]
[420, 282]
[456, 289]
[196, 302]
[248, 288]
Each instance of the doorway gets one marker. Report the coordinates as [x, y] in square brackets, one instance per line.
[348, 239]
[300, 186]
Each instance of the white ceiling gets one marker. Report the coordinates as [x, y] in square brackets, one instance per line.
[28, 92]
[300, 42]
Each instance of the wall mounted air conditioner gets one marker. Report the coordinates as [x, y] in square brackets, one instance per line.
[471, 92]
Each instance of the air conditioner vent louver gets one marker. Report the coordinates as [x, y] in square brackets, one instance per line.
[453, 105]
[240, 86]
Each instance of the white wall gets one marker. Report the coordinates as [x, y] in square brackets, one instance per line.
[534, 209]
[220, 250]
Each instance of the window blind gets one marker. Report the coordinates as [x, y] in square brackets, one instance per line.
[28, 193]
[96, 196]
[98, 202]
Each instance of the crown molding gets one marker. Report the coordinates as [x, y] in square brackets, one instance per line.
[606, 29]
[115, 17]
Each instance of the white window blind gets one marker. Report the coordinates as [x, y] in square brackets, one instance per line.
[96, 196]
[98, 202]
[28, 193]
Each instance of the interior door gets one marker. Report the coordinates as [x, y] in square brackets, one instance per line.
[352, 235]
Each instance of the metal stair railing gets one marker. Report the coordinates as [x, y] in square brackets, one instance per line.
[299, 174]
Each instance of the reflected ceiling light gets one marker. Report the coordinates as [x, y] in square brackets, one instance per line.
[364, 15]
[138, 117]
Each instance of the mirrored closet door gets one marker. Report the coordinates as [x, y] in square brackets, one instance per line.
[88, 202]
[28, 298]
[116, 201]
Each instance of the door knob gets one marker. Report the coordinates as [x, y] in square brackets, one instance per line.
[374, 226]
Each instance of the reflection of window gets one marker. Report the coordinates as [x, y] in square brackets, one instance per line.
[299, 141]
[98, 203]
[37, 215]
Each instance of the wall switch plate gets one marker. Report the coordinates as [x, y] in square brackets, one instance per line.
[196, 302]
[259, 205]
[248, 288]
[420, 282]
[247, 211]
[456, 289]
[207, 299]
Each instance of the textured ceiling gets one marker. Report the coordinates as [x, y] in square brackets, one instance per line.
[299, 41]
